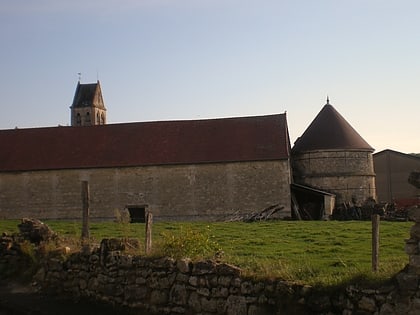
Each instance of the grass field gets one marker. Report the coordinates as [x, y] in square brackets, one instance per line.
[322, 253]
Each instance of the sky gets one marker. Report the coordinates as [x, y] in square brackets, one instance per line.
[199, 59]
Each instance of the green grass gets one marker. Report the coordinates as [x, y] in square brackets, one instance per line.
[325, 253]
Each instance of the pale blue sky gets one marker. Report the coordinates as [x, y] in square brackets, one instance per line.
[192, 59]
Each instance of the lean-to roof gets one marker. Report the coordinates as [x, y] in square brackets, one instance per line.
[145, 143]
[330, 131]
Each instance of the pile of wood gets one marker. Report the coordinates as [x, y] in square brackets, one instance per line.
[263, 215]
[387, 211]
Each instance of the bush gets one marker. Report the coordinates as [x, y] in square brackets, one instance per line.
[189, 243]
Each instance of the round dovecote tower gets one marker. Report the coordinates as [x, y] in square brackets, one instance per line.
[332, 156]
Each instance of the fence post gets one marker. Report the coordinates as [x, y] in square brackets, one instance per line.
[375, 242]
[85, 216]
[149, 222]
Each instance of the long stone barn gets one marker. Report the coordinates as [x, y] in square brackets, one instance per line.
[178, 170]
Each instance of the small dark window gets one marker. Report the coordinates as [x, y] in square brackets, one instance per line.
[98, 119]
[137, 214]
[88, 117]
[78, 119]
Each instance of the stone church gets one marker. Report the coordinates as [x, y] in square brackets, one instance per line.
[179, 170]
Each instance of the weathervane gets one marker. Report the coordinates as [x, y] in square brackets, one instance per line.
[80, 76]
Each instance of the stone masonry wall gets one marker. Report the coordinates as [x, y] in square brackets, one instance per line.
[178, 192]
[348, 174]
[166, 286]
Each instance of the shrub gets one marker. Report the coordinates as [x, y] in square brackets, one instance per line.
[191, 243]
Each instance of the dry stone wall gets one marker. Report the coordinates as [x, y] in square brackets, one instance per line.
[168, 286]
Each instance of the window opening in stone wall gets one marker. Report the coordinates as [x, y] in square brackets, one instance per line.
[137, 214]
[78, 119]
[88, 117]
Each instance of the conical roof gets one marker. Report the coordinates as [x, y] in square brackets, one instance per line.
[328, 131]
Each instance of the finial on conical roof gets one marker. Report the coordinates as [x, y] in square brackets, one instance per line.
[328, 100]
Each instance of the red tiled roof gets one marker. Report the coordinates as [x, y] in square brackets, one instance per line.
[329, 131]
[145, 143]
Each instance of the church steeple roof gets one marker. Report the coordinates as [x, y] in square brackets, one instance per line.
[328, 131]
[88, 95]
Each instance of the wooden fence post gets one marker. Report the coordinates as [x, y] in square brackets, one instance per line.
[85, 216]
[375, 242]
[149, 222]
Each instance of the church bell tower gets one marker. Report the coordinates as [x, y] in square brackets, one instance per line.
[88, 108]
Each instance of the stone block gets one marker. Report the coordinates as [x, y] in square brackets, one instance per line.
[236, 305]
[181, 277]
[93, 284]
[208, 305]
[203, 291]
[140, 280]
[82, 284]
[387, 309]
[411, 247]
[262, 299]
[261, 310]
[126, 261]
[184, 265]
[246, 287]
[212, 280]
[203, 282]
[414, 260]
[203, 267]
[414, 270]
[40, 275]
[224, 281]
[158, 297]
[112, 244]
[414, 306]
[226, 269]
[414, 214]
[319, 303]
[221, 306]
[194, 302]
[415, 231]
[177, 310]
[135, 293]
[407, 282]
[220, 292]
[367, 304]
[166, 263]
[179, 294]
